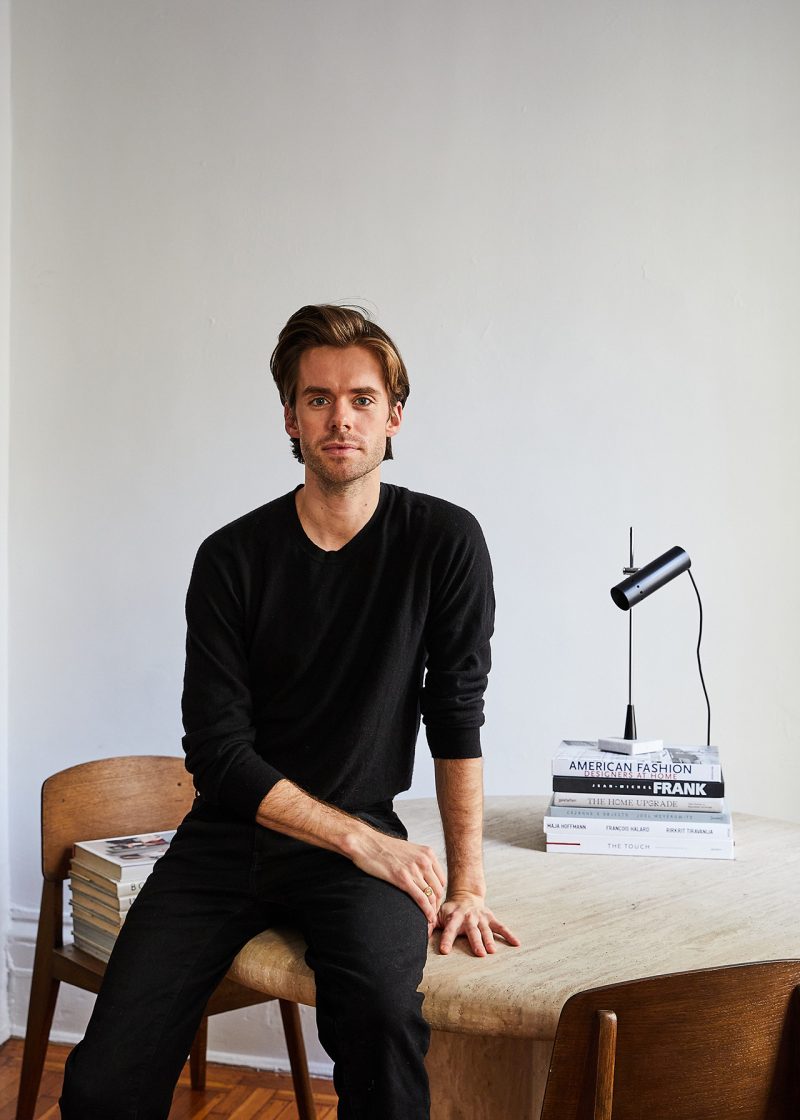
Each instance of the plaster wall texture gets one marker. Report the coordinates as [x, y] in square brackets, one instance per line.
[578, 221]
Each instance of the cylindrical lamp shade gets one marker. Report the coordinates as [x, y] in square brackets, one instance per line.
[649, 578]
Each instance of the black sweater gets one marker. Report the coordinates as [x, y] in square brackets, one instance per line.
[316, 666]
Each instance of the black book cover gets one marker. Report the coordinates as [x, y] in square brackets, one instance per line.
[641, 787]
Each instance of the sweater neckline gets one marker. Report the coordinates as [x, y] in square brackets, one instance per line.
[339, 555]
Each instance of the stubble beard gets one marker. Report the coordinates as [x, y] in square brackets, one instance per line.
[337, 476]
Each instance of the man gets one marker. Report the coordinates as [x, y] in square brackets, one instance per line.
[320, 627]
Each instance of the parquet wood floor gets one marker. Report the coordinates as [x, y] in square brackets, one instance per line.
[231, 1093]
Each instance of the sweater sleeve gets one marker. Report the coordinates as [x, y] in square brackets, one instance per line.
[459, 630]
[217, 702]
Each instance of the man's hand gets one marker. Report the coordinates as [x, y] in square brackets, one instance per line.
[467, 914]
[414, 868]
[459, 789]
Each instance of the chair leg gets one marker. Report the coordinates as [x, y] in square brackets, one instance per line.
[37, 1035]
[44, 992]
[290, 1013]
[606, 1024]
[197, 1056]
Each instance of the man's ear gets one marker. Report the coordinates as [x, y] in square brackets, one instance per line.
[395, 419]
[290, 422]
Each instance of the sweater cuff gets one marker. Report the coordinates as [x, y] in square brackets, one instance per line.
[452, 742]
[245, 785]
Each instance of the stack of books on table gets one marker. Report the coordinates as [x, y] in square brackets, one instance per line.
[105, 878]
[668, 803]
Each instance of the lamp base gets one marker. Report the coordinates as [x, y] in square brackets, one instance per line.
[630, 723]
[631, 746]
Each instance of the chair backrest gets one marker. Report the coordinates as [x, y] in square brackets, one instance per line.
[717, 1044]
[110, 797]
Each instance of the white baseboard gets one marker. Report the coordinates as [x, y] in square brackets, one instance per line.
[251, 1037]
[270, 1064]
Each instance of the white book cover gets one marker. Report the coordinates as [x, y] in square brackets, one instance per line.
[124, 857]
[642, 846]
[576, 811]
[640, 801]
[581, 758]
[559, 827]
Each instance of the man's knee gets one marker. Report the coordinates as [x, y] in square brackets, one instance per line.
[380, 1008]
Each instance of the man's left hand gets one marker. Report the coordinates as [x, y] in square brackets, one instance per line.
[464, 913]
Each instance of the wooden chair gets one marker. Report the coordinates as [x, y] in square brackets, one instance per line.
[717, 1044]
[113, 797]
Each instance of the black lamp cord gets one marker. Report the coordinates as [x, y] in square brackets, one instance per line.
[630, 569]
[699, 665]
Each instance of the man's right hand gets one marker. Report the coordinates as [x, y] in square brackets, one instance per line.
[413, 868]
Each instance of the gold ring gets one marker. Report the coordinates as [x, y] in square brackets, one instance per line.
[428, 891]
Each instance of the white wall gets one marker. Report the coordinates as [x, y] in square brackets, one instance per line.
[578, 220]
[5, 305]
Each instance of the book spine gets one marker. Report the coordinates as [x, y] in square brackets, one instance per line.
[110, 922]
[558, 828]
[602, 846]
[573, 812]
[94, 896]
[639, 787]
[633, 769]
[100, 865]
[617, 801]
[119, 889]
[87, 946]
[91, 933]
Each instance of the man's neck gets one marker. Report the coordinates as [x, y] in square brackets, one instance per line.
[332, 515]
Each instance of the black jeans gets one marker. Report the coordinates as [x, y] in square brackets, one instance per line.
[220, 883]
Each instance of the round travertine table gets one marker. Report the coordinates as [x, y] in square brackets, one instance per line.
[584, 921]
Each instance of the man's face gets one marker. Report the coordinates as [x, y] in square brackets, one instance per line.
[341, 413]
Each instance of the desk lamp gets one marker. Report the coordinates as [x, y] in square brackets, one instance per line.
[638, 584]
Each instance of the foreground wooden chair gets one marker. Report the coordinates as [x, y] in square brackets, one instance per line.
[114, 797]
[717, 1044]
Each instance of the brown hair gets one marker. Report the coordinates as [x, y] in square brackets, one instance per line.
[328, 324]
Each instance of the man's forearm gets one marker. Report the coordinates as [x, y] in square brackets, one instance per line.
[289, 809]
[413, 868]
[459, 791]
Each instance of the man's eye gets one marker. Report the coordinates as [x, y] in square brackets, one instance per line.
[363, 401]
[318, 402]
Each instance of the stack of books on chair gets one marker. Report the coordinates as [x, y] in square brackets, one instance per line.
[105, 878]
[667, 803]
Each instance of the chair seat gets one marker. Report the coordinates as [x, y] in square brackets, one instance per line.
[74, 966]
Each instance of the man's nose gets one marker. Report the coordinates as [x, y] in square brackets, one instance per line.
[341, 415]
